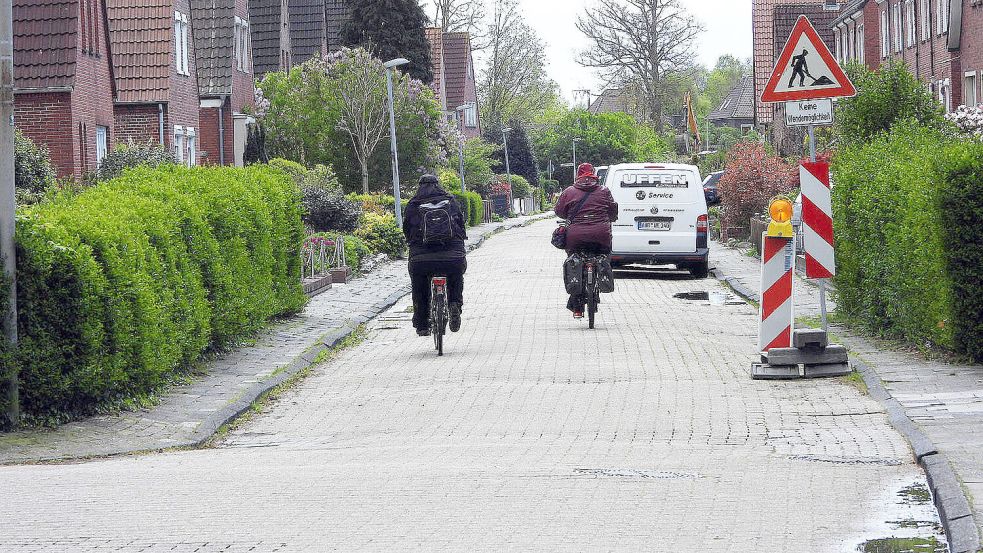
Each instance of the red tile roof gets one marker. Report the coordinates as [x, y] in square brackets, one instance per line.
[141, 33]
[44, 43]
[457, 67]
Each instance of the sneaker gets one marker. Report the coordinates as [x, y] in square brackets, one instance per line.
[455, 321]
[578, 314]
[423, 332]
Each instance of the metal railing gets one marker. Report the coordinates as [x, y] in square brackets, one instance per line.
[321, 254]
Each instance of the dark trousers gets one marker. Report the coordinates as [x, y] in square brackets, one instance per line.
[420, 274]
[577, 302]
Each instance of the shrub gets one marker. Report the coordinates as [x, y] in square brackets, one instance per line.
[129, 282]
[551, 187]
[753, 177]
[962, 221]
[322, 177]
[294, 170]
[381, 234]
[520, 187]
[891, 271]
[380, 204]
[884, 97]
[326, 210]
[126, 156]
[471, 206]
[33, 172]
[450, 180]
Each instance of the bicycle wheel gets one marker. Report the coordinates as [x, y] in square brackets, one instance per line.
[592, 298]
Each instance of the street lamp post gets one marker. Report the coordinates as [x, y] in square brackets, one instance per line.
[575, 141]
[460, 142]
[8, 203]
[505, 142]
[390, 65]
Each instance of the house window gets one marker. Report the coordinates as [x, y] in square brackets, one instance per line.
[861, 51]
[969, 88]
[837, 41]
[925, 13]
[181, 43]
[192, 139]
[942, 17]
[745, 129]
[909, 14]
[884, 34]
[944, 96]
[102, 136]
[241, 45]
[179, 146]
[896, 31]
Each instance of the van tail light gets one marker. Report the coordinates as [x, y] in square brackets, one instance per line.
[440, 281]
[702, 223]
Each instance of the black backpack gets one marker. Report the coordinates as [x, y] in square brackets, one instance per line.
[436, 225]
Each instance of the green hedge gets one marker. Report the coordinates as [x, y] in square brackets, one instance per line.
[130, 282]
[908, 213]
[471, 206]
[962, 220]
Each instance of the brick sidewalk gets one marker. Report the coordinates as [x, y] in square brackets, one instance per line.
[531, 434]
[945, 401]
[190, 414]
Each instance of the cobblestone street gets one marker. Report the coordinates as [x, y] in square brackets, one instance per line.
[532, 433]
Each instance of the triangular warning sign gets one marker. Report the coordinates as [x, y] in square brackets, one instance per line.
[806, 70]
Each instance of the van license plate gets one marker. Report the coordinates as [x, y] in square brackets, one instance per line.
[654, 225]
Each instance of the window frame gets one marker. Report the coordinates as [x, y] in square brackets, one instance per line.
[885, 34]
[942, 15]
[179, 144]
[182, 61]
[102, 144]
[925, 7]
[911, 31]
[191, 143]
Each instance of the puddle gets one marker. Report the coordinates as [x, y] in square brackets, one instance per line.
[715, 298]
[692, 296]
[912, 525]
[634, 473]
[903, 545]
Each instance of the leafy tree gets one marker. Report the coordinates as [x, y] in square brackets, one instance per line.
[884, 97]
[522, 159]
[255, 145]
[604, 139]
[514, 83]
[333, 112]
[479, 159]
[720, 81]
[391, 29]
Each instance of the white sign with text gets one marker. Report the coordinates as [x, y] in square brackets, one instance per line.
[809, 112]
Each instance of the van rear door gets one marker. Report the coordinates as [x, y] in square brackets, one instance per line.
[658, 209]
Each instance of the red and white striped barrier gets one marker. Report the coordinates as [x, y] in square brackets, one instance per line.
[775, 327]
[817, 220]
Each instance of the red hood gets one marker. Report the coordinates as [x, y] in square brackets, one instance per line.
[588, 183]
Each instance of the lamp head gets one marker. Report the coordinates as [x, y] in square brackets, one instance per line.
[396, 63]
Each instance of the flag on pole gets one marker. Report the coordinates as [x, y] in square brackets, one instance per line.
[694, 128]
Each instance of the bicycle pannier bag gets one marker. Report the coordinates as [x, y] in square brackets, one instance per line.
[573, 274]
[437, 227]
[605, 276]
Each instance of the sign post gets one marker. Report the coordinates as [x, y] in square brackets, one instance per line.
[8, 320]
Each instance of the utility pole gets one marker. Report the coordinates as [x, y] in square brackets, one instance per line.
[394, 153]
[505, 142]
[575, 141]
[8, 203]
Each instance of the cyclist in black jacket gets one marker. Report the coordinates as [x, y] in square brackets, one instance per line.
[429, 260]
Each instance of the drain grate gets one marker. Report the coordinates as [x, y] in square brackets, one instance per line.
[634, 473]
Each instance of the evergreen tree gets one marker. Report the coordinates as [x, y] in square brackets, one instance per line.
[391, 29]
[522, 160]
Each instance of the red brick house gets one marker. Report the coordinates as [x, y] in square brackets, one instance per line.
[155, 72]
[454, 79]
[63, 81]
[857, 34]
[221, 45]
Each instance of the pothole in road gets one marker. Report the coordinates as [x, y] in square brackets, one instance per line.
[635, 473]
[911, 523]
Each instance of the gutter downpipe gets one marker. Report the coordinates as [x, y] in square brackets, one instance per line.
[221, 133]
[160, 122]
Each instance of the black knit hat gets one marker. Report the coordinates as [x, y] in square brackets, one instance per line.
[429, 179]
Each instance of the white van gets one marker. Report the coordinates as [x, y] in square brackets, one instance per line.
[662, 216]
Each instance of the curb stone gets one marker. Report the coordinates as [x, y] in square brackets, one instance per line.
[947, 493]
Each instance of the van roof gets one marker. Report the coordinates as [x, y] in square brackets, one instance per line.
[675, 166]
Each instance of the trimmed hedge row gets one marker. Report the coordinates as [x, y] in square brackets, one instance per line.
[909, 232]
[130, 282]
[471, 204]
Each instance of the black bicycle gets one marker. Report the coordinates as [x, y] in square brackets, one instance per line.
[439, 313]
[592, 288]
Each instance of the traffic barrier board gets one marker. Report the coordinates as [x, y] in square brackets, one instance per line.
[776, 311]
[817, 220]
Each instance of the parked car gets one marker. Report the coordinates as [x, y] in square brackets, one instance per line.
[662, 216]
[602, 173]
[710, 190]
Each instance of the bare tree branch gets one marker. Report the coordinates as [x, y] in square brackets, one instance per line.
[463, 16]
[640, 43]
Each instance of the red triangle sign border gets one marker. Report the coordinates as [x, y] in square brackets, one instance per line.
[804, 26]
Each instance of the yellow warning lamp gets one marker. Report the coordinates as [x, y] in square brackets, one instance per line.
[780, 210]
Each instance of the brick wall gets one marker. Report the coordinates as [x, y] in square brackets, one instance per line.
[46, 118]
[183, 105]
[92, 98]
[930, 60]
[208, 136]
[971, 51]
[139, 124]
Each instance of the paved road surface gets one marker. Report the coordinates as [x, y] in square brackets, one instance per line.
[533, 433]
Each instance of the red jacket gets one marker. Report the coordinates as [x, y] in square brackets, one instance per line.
[591, 227]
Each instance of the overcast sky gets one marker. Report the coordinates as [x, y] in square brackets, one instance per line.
[727, 22]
